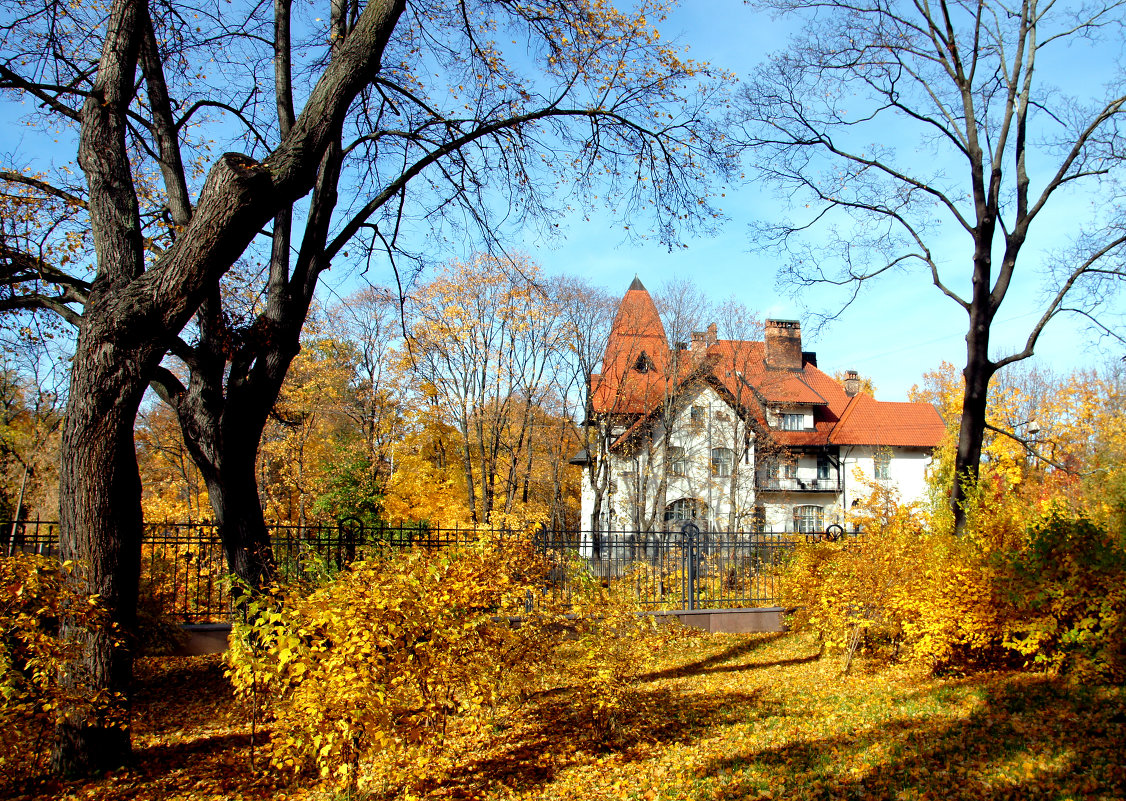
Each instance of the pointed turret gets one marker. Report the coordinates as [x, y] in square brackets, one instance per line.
[637, 356]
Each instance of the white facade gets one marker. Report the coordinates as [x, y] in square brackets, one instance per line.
[737, 435]
[786, 492]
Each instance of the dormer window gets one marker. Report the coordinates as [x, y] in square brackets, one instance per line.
[792, 422]
[644, 364]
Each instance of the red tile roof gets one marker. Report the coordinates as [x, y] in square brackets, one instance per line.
[637, 330]
[867, 421]
[739, 367]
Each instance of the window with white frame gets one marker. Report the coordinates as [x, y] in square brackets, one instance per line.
[881, 465]
[696, 415]
[722, 459]
[824, 468]
[808, 519]
[686, 509]
[792, 422]
[678, 462]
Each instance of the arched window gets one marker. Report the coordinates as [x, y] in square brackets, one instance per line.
[686, 509]
[808, 519]
[722, 459]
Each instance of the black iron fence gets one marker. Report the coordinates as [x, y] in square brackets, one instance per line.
[184, 568]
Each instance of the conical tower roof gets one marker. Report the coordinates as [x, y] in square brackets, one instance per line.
[635, 365]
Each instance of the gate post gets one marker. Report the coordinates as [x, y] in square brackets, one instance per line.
[690, 531]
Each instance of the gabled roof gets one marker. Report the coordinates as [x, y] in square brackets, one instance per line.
[639, 373]
[867, 421]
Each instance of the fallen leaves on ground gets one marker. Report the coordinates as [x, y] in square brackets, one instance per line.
[724, 717]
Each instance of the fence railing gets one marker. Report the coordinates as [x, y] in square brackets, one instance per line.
[185, 570]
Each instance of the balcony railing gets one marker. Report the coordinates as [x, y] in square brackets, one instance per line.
[764, 484]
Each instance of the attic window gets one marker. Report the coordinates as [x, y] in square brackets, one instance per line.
[792, 422]
[644, 364]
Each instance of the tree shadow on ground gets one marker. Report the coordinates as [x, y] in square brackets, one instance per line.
[190, 737]
[1031, 738]
[558, 732]
[717, 663]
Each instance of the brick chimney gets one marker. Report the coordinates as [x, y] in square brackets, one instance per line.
[852, 383]
[783, 344]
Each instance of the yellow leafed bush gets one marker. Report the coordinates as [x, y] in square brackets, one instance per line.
[1028, 582]
[35, 595]
[364, 675]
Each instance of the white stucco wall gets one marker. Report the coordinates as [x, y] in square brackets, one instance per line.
[642, 477]
[907, 471]
[638, 477]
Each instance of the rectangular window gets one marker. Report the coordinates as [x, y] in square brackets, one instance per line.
[678, 463]
[881, 464]
[696, 414]
[787, 469]
[808, 519]
[793, 422]
[721, 462]
[824, 468]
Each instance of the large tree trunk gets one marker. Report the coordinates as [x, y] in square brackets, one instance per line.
[130, 318]
[100, 521]
[977, 373]
[238, 512]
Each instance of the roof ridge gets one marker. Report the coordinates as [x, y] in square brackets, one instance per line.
[853, 402]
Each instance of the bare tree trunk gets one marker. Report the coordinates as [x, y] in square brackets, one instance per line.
[131, 317]
[100, 530]
[977, 373]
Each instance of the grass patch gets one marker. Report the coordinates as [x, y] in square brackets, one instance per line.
[722, 717]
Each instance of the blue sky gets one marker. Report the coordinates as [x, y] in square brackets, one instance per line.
[900, 327]
[894, 333]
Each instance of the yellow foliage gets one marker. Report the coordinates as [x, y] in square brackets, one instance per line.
[366, 675]
[1031, 581]
[36, 596]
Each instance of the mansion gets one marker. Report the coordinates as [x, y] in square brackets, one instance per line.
[736, 435]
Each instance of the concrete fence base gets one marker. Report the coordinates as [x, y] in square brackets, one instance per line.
[769, 619]
[211, 638]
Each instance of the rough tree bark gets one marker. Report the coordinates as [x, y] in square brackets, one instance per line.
[132, 316]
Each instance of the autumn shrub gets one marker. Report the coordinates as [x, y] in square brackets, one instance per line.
[1066, 592]
[920, 594]
[609, 646]
[376, 662]
[35, 595]
[1032, 581]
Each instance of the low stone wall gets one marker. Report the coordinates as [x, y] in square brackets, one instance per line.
[204, 638]
[769, 619]
[211, 638]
